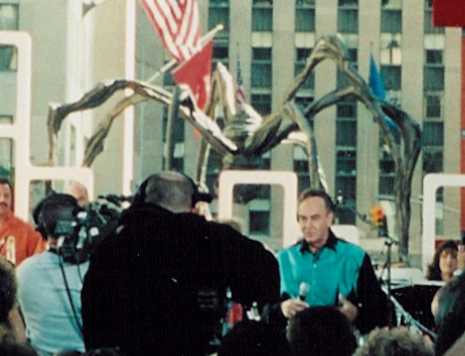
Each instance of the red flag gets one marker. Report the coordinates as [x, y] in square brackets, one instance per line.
[177, 24]
[449, 13]
[195, 73]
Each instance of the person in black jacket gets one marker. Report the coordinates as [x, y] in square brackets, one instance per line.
[158, 286]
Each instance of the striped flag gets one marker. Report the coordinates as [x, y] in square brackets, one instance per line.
[177, 24]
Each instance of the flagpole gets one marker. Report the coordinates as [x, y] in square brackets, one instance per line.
[172, 63]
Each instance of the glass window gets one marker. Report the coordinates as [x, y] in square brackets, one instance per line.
[262, 15]
[8, 58]
[259, 222]
[178, 128]
[433, 106]
[6, 158]
[346, 133]
[392, 77]
[432, 161]
[347, 21]
[348, 3]
[429, 28]
[301, 57]
[303, 102]
[391, 21]
[261, 103]
[434, 56]
[261, 68]
[8, 17]
[346, 186]
[434, 78]
[220, 54]
[346, 162]
[218, 13]
[305, 16]
[347, 109]
[433, 133]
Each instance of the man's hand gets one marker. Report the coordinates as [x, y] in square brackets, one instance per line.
[347, 308]
[291, 307]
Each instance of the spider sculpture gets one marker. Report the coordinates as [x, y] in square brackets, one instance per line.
[246, 135]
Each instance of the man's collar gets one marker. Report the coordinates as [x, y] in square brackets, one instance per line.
[330, 243]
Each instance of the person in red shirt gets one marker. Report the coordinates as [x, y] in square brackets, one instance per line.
[18, 239]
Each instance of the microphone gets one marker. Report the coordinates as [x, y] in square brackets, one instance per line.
[304, 288]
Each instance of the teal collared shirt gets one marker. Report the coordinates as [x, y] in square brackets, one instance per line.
[333, 269]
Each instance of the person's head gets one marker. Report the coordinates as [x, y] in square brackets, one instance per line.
[315, 213]
[253, 338]
[55, 216]
[6, 197]
[449, 319]
[394, 342]
[7, 289]
[321, 331]
[79, 191]
[173, 191]
[444, 262]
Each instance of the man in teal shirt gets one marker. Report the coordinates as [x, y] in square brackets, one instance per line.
[333, 271]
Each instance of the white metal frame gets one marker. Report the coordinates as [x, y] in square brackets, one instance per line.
[431, 183]
[20, 132]
[288, 180]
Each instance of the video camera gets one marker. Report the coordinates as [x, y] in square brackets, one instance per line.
[78, 230]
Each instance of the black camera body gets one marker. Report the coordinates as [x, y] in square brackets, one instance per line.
[78, 230]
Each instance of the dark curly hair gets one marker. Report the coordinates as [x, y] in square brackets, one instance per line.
[434, 272]
[7, 289]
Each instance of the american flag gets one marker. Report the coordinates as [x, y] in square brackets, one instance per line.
[177, 24]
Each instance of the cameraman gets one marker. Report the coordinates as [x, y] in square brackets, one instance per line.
[158, 286]
[49, 287]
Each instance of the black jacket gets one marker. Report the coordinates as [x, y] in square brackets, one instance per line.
[141, 292]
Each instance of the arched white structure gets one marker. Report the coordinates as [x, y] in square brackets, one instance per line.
[431, 183]
[288, 181]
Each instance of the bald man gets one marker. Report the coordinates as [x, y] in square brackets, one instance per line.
[159, 286]
[78, 191]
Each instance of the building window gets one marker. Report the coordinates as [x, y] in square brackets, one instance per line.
[301, 168]
[8, 58]
[9, 17]
[391, 21]
[262, 15]
[347, 18]
[220, 54]
[434, 70]
[303, 102]
[305, 16]
[218, 13]
[433, 106]
[259, 222]
[301, 57]
[261, 67]
[429, 28]
[346, 132]
[432, 160]
[261, 103]
[392, 77]
[352, 56]
[433, 133]
[386, 171]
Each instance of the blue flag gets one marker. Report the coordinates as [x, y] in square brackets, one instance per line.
[376, 83]
[375, 80]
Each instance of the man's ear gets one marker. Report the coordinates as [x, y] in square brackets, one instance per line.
[330, 217]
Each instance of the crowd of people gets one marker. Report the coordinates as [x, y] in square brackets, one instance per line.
[166, 279]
